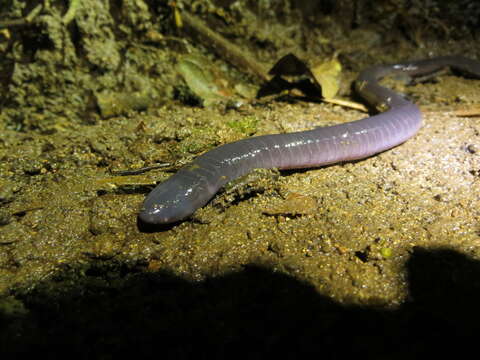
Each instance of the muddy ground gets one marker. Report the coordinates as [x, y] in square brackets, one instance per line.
[377, 254]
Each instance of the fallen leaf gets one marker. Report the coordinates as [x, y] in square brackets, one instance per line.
[327, 75]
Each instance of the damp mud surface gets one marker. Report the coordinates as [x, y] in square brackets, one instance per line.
[347, 233]
[349, 236]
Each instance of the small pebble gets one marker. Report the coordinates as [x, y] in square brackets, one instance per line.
[472, 148]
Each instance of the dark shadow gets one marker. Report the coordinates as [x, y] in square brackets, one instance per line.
[278, 85]
[107, 310]
[151, 228]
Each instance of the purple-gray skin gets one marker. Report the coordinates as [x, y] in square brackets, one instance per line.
[195, 184]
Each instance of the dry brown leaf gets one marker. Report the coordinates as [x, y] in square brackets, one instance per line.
[327, 75]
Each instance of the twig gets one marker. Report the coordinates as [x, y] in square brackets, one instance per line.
[70, 14]
[223, 47]
[141, 170]
[468, 111]
[27, 20]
